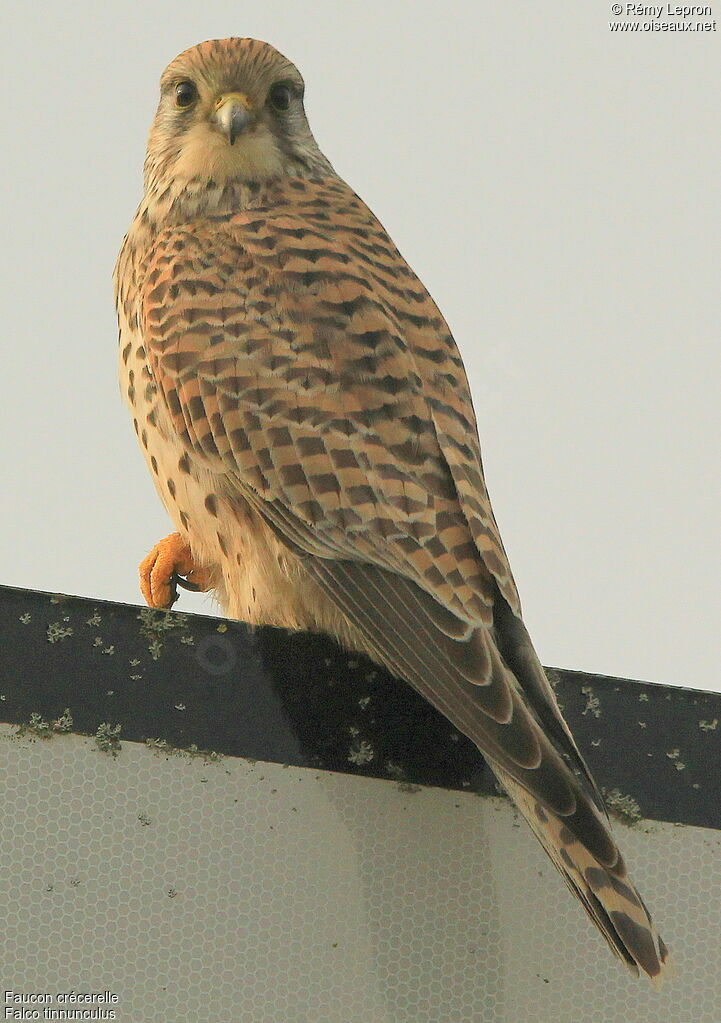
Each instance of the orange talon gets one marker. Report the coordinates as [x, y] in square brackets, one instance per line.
[164, 568]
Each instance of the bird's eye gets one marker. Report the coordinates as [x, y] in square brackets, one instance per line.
[280, 97]
[185, 94]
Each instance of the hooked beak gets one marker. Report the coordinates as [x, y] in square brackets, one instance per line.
[233, 115]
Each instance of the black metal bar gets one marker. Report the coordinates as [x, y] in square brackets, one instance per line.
[297, 698]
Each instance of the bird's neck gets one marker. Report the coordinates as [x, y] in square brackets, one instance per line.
[180, 202]
[168, 204]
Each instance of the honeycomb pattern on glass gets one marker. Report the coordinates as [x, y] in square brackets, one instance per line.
[238, 892]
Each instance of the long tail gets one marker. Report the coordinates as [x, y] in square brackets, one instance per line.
[606, 893]
[491, 685]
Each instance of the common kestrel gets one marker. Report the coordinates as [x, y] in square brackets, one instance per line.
[308, 423]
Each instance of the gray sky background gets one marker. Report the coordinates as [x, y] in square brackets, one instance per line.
[555, 185]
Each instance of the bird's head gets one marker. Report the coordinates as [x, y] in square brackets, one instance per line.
[231, 109]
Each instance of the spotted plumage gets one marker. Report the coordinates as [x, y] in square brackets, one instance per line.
[307, 420]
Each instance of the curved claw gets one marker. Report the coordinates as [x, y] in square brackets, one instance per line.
[187, 584]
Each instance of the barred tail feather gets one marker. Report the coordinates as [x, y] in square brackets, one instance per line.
[606, 893]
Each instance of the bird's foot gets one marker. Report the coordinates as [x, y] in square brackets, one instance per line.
[169, 565]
